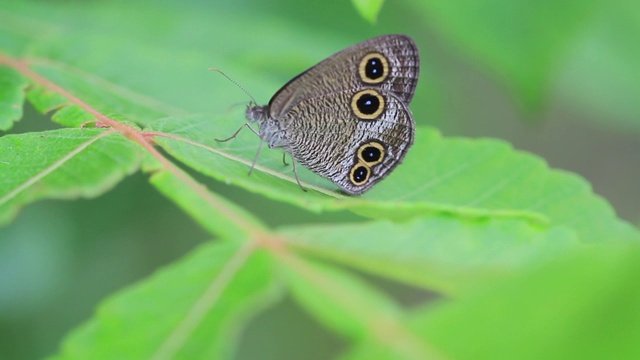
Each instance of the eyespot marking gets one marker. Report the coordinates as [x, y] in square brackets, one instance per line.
[371, 153]
[359, 174]
[367, 104]
[373, 68]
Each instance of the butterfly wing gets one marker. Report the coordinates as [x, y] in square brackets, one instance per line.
[353, 153]
[342, 71]
[347, 118]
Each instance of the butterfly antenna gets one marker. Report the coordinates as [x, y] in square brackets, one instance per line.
[235, 83]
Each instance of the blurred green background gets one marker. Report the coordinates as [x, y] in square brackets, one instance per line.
[568, 93]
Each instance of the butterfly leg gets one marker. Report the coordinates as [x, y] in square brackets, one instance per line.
[295, 172]
[238, 131]
[255, 160]
[284, 160]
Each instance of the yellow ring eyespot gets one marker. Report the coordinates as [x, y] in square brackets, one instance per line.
[371, 153]
[373, 68]
[367, 104]
[359, 174]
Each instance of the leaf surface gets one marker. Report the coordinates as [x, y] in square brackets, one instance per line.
[12, 87]
[61, 164]
[193, 309]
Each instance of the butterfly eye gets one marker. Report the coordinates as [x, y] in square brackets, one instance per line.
[371, 153]
[359, 174]
[367, 104]
[374, 68]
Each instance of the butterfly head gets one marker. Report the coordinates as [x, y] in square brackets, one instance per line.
[257, 113]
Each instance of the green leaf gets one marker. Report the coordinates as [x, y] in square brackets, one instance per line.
[339, 300]
[351, 307]
[368, 9]
[521, 42]
[45, 100]
[581, 307]
[439, 253]
[211, 211]
[61, 164]
[193, 309]
[370, 349]
[468, 178]
[12, 87]
[110, 100]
